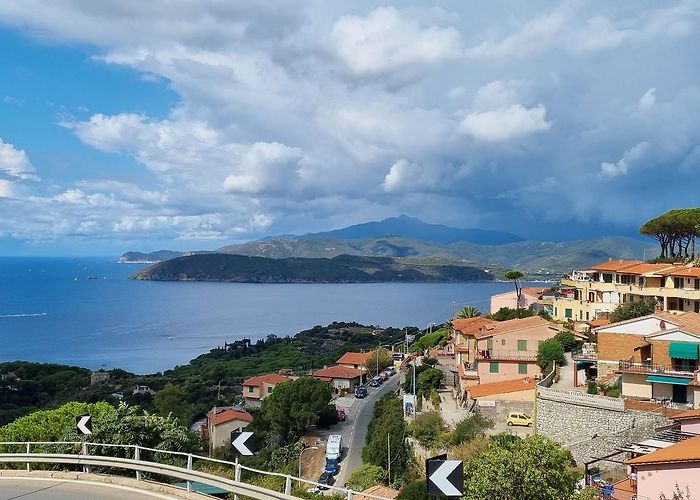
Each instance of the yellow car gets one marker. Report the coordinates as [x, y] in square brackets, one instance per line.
[515, 418]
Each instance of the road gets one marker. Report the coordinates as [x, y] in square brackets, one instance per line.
[61, 489]
[354, 429]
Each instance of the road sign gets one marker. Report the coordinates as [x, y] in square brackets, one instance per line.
[445, 477]
[84, 424]
[243, 443]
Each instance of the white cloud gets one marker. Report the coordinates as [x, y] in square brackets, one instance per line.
[648, 100]
[7, 189]
[266, 168]
[387, 41]
[506, 123]
[495, 95]
[15, 163]
[621, 167]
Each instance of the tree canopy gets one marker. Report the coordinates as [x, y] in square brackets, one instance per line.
[515, 277]
[387, 421]
[550, 351]
[380, 358]
[468, 312]
[675, 231]
[633, 309]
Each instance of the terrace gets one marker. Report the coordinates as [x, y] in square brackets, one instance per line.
[505, 355]
[651, 368]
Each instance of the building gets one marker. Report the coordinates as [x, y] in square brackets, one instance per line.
[656, 357]
[493, 351]
[660, 473]
[257, 388]
[595, 292]
[689, 421]
[536, 297]
[99, 376]
[519, 389]
[143, 390]
[221, 422]
[355, 360]
[341, 378]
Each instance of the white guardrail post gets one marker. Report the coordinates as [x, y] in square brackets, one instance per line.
[189, 467]
[137, 457]
[236, 475]
[288, 486]
[29, 450]
[84, 451]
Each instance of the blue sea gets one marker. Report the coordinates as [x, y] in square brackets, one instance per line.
[86, 312]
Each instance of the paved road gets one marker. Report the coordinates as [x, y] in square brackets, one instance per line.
[354, 430]
[56, 489]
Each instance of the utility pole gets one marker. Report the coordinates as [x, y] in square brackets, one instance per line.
[454, 308]
[379, 344]
[388, 456]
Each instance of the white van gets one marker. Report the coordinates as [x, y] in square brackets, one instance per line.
[334, 448]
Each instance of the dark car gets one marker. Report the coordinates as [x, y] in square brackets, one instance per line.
[331, 467]
[360, 392]
[374, 383]
[325, 479]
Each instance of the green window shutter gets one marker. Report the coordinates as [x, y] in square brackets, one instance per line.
[568, 313]
[251, 388]
[522, 368]
[493, 367]
[522, 345]
[489, 344]
[269, 389]
[683, 350]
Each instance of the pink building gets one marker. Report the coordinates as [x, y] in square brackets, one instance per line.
[661, 473]
[528, 296]
[689, 420]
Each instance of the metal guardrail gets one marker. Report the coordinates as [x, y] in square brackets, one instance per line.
[651, 368]
[137, 464]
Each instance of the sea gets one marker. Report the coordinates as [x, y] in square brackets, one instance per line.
[87, 312]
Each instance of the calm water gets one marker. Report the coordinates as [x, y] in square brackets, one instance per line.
[50, 311]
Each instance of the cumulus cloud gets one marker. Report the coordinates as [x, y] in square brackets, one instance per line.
[648, 100]
[14, 163]
[387, 40]
[622, 166]
[265, 167]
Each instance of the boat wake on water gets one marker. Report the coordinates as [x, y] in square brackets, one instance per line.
[28, 315]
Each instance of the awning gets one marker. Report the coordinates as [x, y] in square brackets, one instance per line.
[683, 350]
[663, 379]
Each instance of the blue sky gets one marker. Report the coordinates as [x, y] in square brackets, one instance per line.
[190, 125]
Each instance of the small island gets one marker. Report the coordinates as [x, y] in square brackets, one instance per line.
[340, 269]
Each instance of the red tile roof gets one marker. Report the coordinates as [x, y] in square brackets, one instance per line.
[471, 325]
[354, 358]
[514, 325]
[268, 378]
[615, 265]
[228, 415]
[516, 385]
[644, 268]
[686, 415]
[684, 451]
[339, 372]
[685, 271]
[689, 321]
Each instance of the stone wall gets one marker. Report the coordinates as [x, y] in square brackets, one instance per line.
[592, 426]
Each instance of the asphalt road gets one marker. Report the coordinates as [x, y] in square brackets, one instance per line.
[354, 430]
[56, 489]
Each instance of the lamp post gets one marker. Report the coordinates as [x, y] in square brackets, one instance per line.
[300, 454]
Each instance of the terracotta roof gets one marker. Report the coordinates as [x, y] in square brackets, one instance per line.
[615, 265]
[687, 415]
[645, 268]
[533, 290]
[340, 372]
[516, 385]
[268, 378]
[595, 323]
[514, 325]
[471, 325]
[228, 415]
[685, 271]
[684, 451]
[354, 358]
[688, 321]
[379, 490]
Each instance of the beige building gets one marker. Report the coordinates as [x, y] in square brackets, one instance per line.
[341, 378]
[257, 388]
[597, 291]
[355, 360]
[222, 422]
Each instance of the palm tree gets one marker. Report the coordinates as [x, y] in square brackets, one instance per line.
[468, 312]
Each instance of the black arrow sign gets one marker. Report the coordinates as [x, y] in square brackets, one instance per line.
[445, 477]
[83, 424]
[243, 443]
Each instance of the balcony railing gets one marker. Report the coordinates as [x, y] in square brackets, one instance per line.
[497, 354]
[644, 367]
[468, 371]
[587, 352]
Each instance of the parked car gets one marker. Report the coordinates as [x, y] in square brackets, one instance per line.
[341, 413]
[391, 371]
[398, 356]
[334, 447]
[375, 382]
[360, 392]
[331, 467]
[515, 418]
[384, 376]
[326, 480]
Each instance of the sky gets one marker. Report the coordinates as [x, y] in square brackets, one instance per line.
[191, 124]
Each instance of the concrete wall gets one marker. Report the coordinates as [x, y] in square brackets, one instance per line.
[635, 385]
[617, 346]
[592, 426]
[509, 299]
[656, 480]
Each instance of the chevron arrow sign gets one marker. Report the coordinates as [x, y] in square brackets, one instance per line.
[445, 477]
[243, 443]
[84, 424]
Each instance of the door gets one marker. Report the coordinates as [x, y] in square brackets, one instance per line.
[680, 394]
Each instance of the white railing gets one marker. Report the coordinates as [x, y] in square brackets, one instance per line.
[581, 399]
[134, 461]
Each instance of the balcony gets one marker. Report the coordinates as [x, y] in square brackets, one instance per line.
[650, 368]
[504, 355]
[468, 371]
[587, 352]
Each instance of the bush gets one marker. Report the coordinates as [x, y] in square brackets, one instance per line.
[506, 313]
[550, 351]
[366, 476]
[470, 428]
[567, 340]
[417, 490]
[592, 387]
[426, 428]
[435, 399]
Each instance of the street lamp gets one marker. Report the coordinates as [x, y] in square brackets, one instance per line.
[300, 454]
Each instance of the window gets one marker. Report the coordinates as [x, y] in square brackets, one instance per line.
[489, 344]
[269, 389]
[568, 313]
[677, 282]
[697, 284]
[493, 367]
[503, 342]
[587, 316]
[641, 281]
[522, 345]
[684, 365]
[607, 278]
[251, 388]
[522, 368]
[697, 306]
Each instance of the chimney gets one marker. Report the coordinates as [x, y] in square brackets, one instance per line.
[662, 325]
